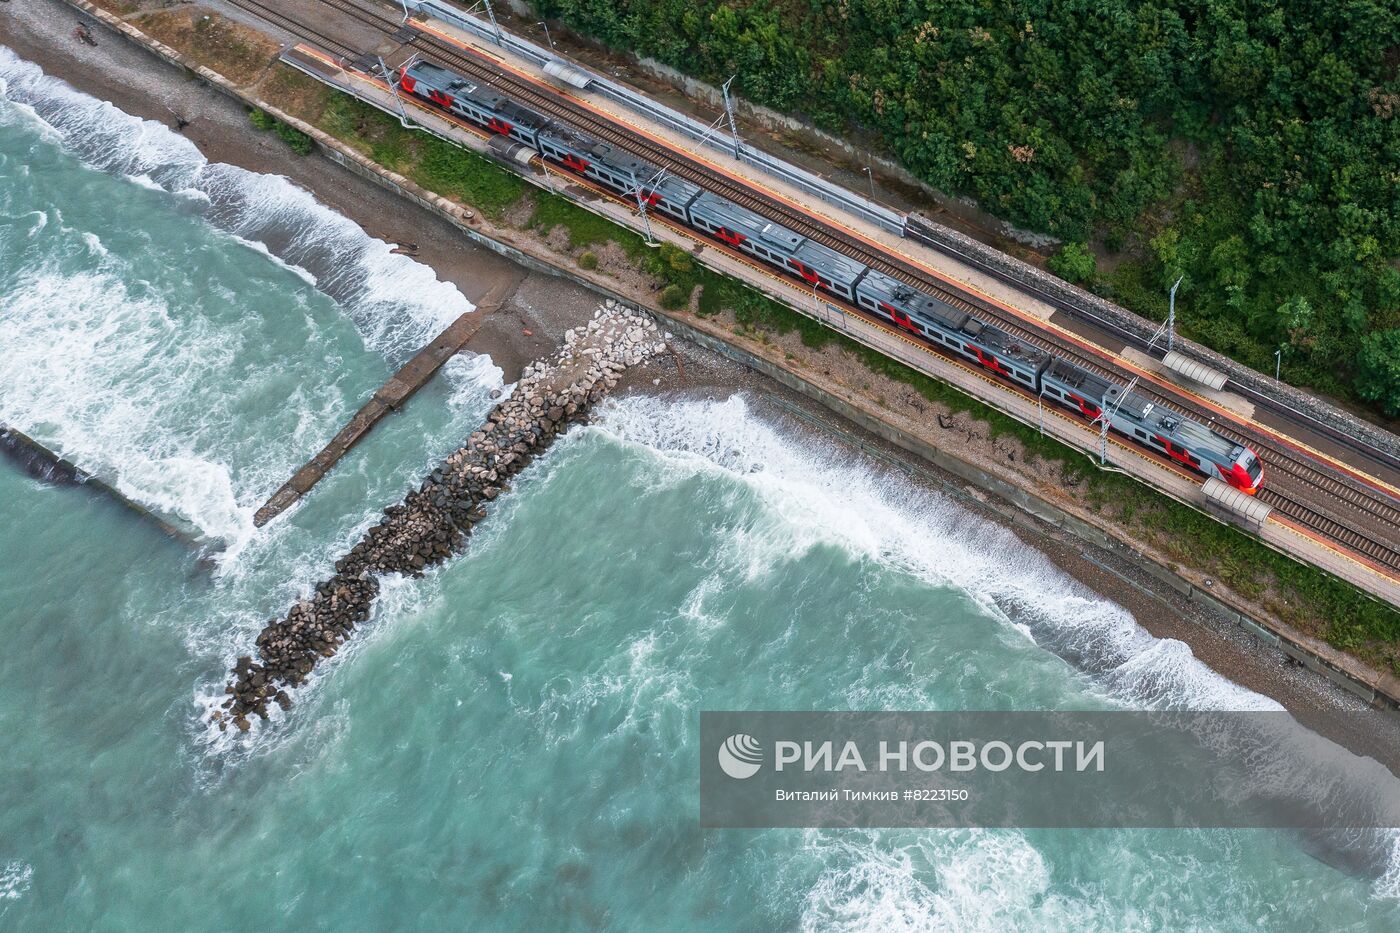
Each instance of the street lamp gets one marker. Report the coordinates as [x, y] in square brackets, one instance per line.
[870, 175]
[1278, 362]
[548, 36]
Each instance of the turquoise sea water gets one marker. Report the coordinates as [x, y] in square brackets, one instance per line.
[510, 744]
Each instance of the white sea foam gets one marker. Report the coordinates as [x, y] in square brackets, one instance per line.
[397, 302]
[15, 878]
[72, 337]
[822, 496]
[969, 880]
[262, 250]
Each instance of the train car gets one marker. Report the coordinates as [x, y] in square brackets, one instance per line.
[604, 163]
[477, 103]
[827, 269]
[1188, 442]
[911, 310]
[732, 224]
[1076, 389]
[776, 245]
[1003, 354]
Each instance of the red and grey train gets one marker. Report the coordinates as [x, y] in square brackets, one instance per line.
[925, 317]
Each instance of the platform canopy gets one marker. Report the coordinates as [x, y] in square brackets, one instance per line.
[567, 74]
[1194, 370]
[1227, 496]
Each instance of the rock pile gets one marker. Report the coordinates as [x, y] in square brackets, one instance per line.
[433, 520]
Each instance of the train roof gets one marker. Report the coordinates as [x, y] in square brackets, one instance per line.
[730, 215]
[676, 190]
[1091, 386]
[824, 259]
[1004, 344]
[436, 73]
[515, 113]
[780, 236]
[894, 292]
[598, 151]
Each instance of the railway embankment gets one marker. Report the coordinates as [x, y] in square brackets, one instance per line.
[434, 520]
[1235, 570]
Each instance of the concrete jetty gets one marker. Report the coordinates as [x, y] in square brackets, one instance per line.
[391, 396]
[433, 521]
[46, 465]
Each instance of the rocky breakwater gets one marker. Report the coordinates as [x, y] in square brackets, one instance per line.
[434, 519]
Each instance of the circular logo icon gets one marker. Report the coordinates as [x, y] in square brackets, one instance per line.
[740, 756]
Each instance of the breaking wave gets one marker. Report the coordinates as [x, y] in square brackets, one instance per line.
[397, 302]
[125, 366]
[822, 496]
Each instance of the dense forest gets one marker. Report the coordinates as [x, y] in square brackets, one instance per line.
[1253, 147]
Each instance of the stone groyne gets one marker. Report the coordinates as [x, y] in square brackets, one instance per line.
[433, 520]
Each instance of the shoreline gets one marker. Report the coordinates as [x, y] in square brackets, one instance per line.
[541, 307]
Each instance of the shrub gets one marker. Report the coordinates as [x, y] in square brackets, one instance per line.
[673, 297]
[1073, 263]
[588, 261]
[301, 143]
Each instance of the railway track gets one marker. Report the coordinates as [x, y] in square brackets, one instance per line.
[293, 26]
[1343, 510]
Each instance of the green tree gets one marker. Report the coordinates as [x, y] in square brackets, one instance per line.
[1378, 370]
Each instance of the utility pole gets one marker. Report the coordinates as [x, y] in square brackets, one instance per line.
[1171, 316]
[393, 78]
[1169, 325]
[642, 209]
[643, 203]
[1106, 417]
[729, 111]
[547, 35]
[491, 14]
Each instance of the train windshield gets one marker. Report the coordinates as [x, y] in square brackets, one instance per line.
[1252, 466]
